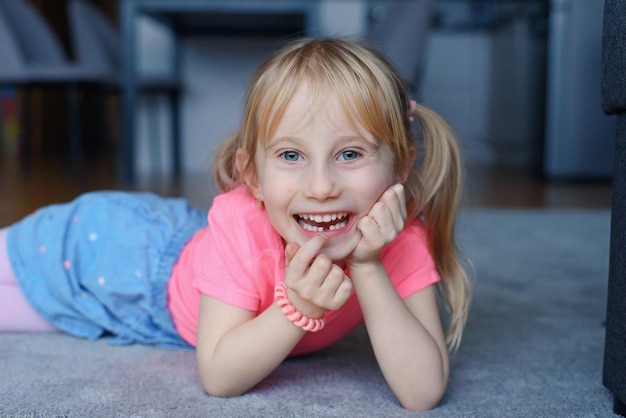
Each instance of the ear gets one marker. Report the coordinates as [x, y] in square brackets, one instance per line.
[407, 166]
[242, 163]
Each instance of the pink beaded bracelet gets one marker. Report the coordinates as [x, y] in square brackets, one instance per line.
[292, 314]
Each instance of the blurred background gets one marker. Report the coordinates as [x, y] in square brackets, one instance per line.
[519, 81]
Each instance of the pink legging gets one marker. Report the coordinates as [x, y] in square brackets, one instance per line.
[16, 314]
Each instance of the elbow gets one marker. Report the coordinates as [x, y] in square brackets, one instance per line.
[423, 400]
[218, 384]
[217, 381]
[220, 389]
[426, 391]
[420, 404]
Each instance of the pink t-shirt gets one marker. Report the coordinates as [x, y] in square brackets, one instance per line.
[239, 259]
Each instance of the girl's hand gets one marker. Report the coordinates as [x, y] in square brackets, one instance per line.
[314, 283]
[381, 226]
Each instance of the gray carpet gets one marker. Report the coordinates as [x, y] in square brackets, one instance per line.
[533, 346]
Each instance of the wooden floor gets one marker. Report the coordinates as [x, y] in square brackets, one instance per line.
[497, 186]
[50, 179]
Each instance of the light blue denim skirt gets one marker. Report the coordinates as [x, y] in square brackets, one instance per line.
[99, 265]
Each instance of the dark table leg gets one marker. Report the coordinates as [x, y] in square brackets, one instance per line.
[129, 90]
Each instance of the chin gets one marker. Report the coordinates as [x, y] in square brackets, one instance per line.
[338, 248]
[338, 252]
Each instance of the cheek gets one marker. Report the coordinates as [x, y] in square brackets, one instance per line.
[377, 186]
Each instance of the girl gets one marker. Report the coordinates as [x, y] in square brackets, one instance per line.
[332, 214]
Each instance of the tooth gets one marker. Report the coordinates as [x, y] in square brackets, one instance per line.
[318, 218]
[311, 227]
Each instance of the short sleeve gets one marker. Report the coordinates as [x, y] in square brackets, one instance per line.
[231, 263]
[408, 261]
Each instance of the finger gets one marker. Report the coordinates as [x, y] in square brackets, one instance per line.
[316, 275]
[304, 257]
[333, 291]
[307, 252]
[394, 200]
[388, 218]
[343, 293]
[401, 194]
[371, 231]
[290, 251]
[338, 286]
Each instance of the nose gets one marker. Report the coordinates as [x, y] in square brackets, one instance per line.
[321, 182]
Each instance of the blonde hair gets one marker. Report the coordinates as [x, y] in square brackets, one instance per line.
[375, 96]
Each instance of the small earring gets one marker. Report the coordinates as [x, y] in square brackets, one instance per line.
[260, 204]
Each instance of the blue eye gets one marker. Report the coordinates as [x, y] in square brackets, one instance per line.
[349, 155]
[291, 156]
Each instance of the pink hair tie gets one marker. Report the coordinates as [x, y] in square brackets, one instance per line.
[412, 109]
[292, 314]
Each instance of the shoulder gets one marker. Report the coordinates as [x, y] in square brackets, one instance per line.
[232, 202]
[235, 209]
[236, 258]
[235, 217]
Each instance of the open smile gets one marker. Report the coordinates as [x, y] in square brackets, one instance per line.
[323, 222]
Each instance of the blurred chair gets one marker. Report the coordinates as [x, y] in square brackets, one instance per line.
[614, 103]
[401, 35]
[97, 46]
[32, 57]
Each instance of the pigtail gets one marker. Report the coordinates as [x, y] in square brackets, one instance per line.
[440, 180]
[225, 170]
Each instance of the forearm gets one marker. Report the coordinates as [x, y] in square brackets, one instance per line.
[413, 361]
[247, 353]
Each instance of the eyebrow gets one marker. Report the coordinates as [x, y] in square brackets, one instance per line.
[289, 139]
[274, 142]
